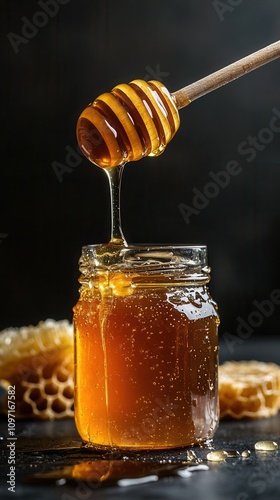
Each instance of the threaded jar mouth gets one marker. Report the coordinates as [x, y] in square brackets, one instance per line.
[189, 262]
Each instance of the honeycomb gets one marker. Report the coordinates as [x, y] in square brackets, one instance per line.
[249, 389]
[38, 362]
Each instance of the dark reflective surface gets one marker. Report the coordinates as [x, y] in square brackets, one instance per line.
[50, 463]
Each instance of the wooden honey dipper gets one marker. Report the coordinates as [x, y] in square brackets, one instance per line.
[140, 118]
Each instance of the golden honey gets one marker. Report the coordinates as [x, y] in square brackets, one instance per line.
[132, 121]
[217, 455]
[146, 350]
[266, 446]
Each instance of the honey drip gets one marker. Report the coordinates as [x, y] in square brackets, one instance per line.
[103, 315]
[108, 254]
[114, 175]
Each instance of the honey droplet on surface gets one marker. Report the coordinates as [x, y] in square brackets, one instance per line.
[217, 456]
[266, 446]
[246, 454]
[232, 453]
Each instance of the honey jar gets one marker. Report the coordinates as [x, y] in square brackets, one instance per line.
[146, 348]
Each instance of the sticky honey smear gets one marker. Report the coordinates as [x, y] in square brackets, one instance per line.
[38, 362]
[249, 389]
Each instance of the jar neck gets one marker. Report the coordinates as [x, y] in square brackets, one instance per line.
[172, 265]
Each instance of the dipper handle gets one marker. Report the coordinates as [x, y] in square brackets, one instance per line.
[188, 94]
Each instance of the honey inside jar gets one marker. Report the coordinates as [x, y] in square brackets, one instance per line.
[146, 349]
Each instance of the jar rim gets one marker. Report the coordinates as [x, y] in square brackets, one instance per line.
[152, 257]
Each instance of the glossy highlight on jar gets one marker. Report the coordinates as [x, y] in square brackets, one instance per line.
[146, 348]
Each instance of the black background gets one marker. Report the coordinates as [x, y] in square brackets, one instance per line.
[85, 49]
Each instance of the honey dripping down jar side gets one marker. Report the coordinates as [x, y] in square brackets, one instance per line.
[146, 349]
[132, 121]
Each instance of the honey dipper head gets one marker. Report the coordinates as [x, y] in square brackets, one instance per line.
[132, 121]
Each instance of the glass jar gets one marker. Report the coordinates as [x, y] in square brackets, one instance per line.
[146, 348]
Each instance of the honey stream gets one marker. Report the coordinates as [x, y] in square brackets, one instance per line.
[114, 175]
[116, 243]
